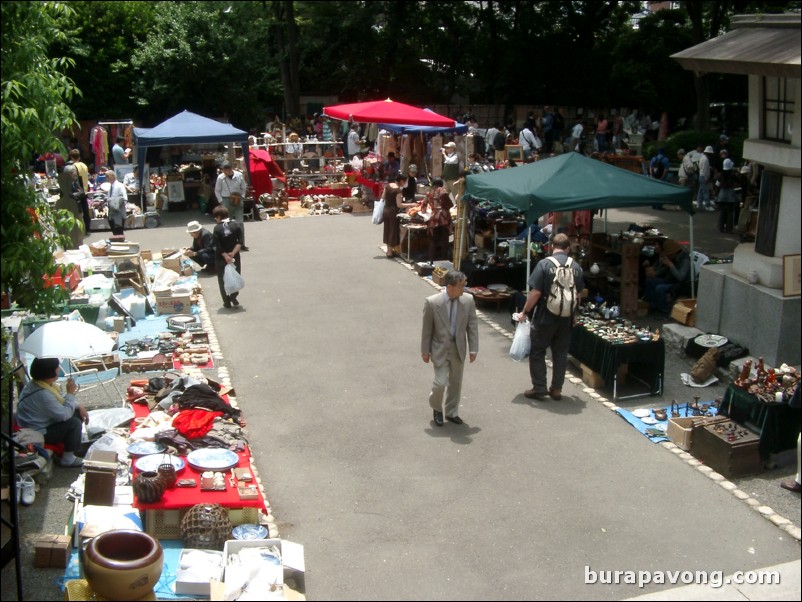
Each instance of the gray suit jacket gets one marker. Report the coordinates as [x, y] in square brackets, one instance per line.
[436, 331]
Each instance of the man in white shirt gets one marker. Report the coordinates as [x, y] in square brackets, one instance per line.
[352, 142]
[490, 137]
[529, 141]
[117, 199]
[230, 192]
[576, 135]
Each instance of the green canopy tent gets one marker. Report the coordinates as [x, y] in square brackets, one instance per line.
[572, 182]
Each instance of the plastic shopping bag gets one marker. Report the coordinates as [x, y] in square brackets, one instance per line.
[232, 280]
[521, 343]
[378, 212]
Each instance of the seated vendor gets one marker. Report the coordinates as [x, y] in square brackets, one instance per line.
[666, 276]
[202, 250]
[43, 408]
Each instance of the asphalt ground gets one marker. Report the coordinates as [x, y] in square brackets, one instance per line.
[518, 503]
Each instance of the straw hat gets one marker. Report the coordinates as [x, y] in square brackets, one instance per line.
[671, 247]
[193, 227]
[293, 136]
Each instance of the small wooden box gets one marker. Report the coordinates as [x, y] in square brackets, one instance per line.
[736, 458]
[684, 312]
[51, 551]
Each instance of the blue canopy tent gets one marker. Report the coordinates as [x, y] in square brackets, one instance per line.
[188, 128]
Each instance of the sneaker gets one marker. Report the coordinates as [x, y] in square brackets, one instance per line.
[76, 463]
[26, 490]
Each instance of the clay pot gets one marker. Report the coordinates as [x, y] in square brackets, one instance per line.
[123, 565]
[148, 487]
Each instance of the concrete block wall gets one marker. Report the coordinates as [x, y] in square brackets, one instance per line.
[753, 316]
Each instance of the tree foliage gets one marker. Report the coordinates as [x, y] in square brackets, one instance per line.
[36, 107]
[247, 60]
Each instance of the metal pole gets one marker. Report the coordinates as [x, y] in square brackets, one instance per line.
[693, 262]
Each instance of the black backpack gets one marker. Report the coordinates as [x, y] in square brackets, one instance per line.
[500, 141]
[658, 168]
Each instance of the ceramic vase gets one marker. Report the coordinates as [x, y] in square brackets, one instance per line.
[123, 565]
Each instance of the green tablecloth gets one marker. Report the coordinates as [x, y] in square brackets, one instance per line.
[604, 357]
[778, 423]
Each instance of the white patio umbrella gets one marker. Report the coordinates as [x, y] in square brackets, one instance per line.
[67, 339]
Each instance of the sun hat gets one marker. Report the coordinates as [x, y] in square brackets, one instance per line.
[451, 145]
[728, 164]
[193, 226]
[709, 149]
[671, 246]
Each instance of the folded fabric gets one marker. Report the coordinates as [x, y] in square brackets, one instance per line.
[194, 424]
[688, 380]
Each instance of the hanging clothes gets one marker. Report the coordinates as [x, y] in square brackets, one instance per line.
[99, 142]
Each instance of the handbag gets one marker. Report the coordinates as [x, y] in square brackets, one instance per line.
[378, 212]
[236, 199]
[521, 342]
[232, 279]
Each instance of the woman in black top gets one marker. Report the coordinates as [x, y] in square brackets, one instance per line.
[227, 245]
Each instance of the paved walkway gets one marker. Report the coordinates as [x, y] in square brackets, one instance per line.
[519, 503]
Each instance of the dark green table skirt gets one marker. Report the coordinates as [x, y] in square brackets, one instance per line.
[777, 423]
[646, 360]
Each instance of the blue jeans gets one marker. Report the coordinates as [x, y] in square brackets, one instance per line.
[703, 196]
[657, 291]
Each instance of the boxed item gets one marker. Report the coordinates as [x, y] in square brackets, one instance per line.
[728, 448]
[684, 312]
[174, 304]
[195, 570]
[172, 263]
[680, 430]
[288, 564]
[51, 551]
[101, 474]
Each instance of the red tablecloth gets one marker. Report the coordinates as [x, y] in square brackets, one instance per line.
[184, 497]
[297, 192]
[376, 187]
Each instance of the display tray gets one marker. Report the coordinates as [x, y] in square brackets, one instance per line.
[212, 459]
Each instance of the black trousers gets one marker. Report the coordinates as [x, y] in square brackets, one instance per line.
[67, 432]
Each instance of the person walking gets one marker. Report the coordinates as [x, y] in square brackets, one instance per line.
[118, 197]
[726, 200]
[703, 196]
[227, 246]
[549, 330]
[449, 333]
[83, 179]
[230, 191]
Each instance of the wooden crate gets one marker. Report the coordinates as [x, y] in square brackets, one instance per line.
[730, 458]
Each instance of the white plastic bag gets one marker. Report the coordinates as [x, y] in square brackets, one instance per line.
[378, 212]
[521, 343]
[232, 280]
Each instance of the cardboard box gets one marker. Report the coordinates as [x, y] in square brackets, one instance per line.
[175, 304]
[680, 430]
[184, 579]
[439, 276]
[101, 475]
[684, 312]
[233, 547]
[51, 551]
[146, 255]
[172, 263]
[591, 378]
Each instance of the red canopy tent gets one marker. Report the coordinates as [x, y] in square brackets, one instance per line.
[387, 111]
[263, 169]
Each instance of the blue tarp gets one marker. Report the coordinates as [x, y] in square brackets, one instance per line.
[459, 128]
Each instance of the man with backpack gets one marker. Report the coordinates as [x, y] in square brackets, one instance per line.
[555, 286]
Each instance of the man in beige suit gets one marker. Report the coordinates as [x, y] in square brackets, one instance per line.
[450, 331]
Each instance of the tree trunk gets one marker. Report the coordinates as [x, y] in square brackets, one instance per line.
[286, 35]
[702, 87]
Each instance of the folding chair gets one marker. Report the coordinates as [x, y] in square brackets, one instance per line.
[92, 373]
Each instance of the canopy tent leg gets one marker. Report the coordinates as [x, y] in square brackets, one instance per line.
[693, 261]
